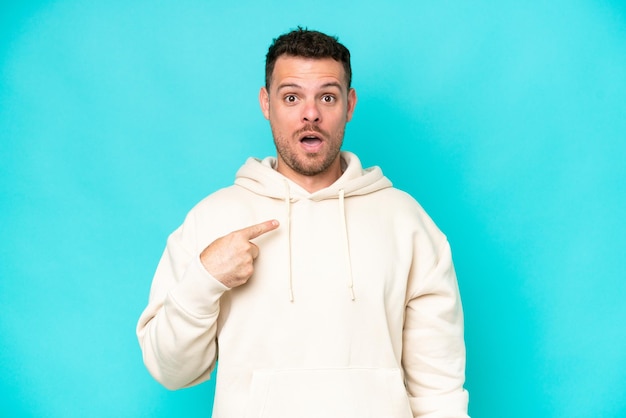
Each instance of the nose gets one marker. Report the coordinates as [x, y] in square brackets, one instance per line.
[310, 112]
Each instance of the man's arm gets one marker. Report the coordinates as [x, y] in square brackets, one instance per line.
[177, 330]
[433, 355]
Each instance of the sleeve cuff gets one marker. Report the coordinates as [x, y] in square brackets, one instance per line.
[198, 292]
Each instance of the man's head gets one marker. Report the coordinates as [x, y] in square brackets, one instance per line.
[307, 44]
[308, 101]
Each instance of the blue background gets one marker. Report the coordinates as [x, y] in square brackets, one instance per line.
[505, 119]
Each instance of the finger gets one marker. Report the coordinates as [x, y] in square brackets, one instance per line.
[257, 230]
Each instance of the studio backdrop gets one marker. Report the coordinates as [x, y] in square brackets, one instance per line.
[506, 120]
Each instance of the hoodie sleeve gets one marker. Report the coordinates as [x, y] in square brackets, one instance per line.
[433, 354]
[177, 330]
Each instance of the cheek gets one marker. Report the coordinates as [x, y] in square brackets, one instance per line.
[336, 120]
[279, 122]
[284, 119]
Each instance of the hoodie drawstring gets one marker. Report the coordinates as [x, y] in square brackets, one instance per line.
[344, 228]
[288, 211]
[342, 217]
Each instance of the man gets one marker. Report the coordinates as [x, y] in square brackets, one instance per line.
[324, 291]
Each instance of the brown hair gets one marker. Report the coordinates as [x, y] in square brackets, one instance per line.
[307, 44]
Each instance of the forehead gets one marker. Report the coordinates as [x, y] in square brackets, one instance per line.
[309, 71]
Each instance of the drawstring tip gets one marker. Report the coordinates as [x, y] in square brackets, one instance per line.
[290, 295]
[352, 293]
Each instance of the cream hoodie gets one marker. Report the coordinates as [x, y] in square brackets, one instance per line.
[353, 309]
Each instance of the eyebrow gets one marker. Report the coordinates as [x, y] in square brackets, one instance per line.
[288, 85]
[297, 86]
[332, 84]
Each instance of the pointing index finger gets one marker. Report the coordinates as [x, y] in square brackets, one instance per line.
[257, 230]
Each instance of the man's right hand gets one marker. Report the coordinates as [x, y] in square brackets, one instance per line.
[230, 259]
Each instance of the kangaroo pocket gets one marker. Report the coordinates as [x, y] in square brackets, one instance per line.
[328, 393]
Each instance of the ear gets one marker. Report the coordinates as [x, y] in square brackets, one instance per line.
[264, 101]
[351, 104]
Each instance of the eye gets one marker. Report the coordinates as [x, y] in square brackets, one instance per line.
[290, 98]
[328, 98]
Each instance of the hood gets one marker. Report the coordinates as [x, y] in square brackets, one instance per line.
[261, 177]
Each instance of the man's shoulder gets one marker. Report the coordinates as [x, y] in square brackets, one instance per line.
[222, 211]
[406, 209]
[399, 199]
[229, 195]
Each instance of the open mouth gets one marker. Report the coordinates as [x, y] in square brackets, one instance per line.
[312, 144]
[310, 140]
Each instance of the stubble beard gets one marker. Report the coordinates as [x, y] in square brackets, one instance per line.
[309, 165]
